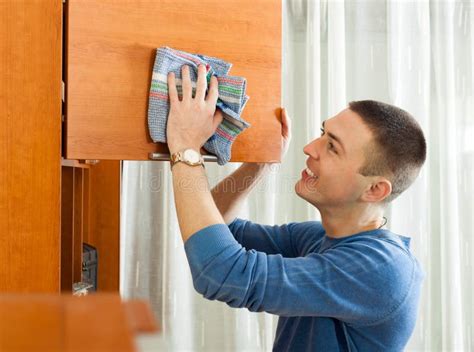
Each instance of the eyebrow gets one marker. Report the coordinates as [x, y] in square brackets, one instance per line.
[335, 138]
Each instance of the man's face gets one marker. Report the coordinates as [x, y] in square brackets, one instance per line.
[334, 164]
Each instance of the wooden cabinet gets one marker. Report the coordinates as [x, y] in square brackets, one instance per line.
[63, 323]
[110, 49]
[90, 213]
[30, 140]
[104, 51]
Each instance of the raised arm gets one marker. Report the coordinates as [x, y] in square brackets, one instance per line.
[361, 281]
[230, 193]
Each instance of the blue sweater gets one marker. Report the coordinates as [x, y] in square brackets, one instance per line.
[358, 293]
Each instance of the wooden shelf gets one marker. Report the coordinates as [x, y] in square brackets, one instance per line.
[50, 322]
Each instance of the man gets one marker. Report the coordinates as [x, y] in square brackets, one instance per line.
[342, 284]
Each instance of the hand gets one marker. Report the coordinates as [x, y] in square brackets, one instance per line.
[285, 137]
[192, 121]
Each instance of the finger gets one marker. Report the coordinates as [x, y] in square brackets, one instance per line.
[213, 92]
[186, 82]
[284, 120]
[201, 84]
[286, 123]
[217, 119]
[173, 93]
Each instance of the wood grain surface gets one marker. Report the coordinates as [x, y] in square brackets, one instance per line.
[91, 214]
[104, 221]
[65, 323]
[30, 133]
[111, 47]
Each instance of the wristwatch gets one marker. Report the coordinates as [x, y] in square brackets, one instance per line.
[188, 156]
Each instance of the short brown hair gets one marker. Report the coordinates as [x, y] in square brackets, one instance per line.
[398, 150]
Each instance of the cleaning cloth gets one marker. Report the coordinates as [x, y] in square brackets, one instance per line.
[231, 98]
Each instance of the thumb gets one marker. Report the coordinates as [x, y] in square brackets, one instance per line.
[286, 123]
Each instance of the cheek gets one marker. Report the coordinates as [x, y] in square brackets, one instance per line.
[342, 181]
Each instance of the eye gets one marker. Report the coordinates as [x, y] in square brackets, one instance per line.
[330, 144]
[331, 147]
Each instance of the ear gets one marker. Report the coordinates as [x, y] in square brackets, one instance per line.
[377, 190]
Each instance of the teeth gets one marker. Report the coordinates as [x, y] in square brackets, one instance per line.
[310, 173]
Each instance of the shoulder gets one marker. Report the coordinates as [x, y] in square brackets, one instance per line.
[313, 227]
[387, 267]
[303, 228]
[381, 246]
[306, 236]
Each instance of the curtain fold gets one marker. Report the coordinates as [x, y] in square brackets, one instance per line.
[409, 81]
[418, 55]
[446, 121]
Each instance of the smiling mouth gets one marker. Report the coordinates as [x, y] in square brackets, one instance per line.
[311, 174]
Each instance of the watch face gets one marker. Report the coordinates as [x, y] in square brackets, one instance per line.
[191, 155]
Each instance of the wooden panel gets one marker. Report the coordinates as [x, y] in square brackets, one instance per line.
[78, 223]
[104, 221]
[111, 48]
[67, 228]
[40, 322]
[75, 163]
[85, 206]
[97, 323]
[32, 322]
[91, 214]
[30, 113]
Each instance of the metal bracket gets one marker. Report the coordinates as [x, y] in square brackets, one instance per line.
[166, 157]
[89, 162]
[81, 288]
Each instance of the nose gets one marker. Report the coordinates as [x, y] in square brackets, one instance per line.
[311, 149]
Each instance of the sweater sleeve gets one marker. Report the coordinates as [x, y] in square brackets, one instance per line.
[290, 240]
[357, 283]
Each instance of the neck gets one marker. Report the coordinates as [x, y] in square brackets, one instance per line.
[345, 223]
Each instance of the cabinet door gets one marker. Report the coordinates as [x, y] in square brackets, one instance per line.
[110, 48]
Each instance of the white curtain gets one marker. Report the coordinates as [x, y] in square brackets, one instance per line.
[416, 55]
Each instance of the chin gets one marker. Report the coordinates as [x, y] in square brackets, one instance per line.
[299, 189]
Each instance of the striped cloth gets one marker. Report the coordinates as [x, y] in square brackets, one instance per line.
[231, 99]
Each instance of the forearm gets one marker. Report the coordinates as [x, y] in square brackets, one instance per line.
[193, 200]
[231, 192]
